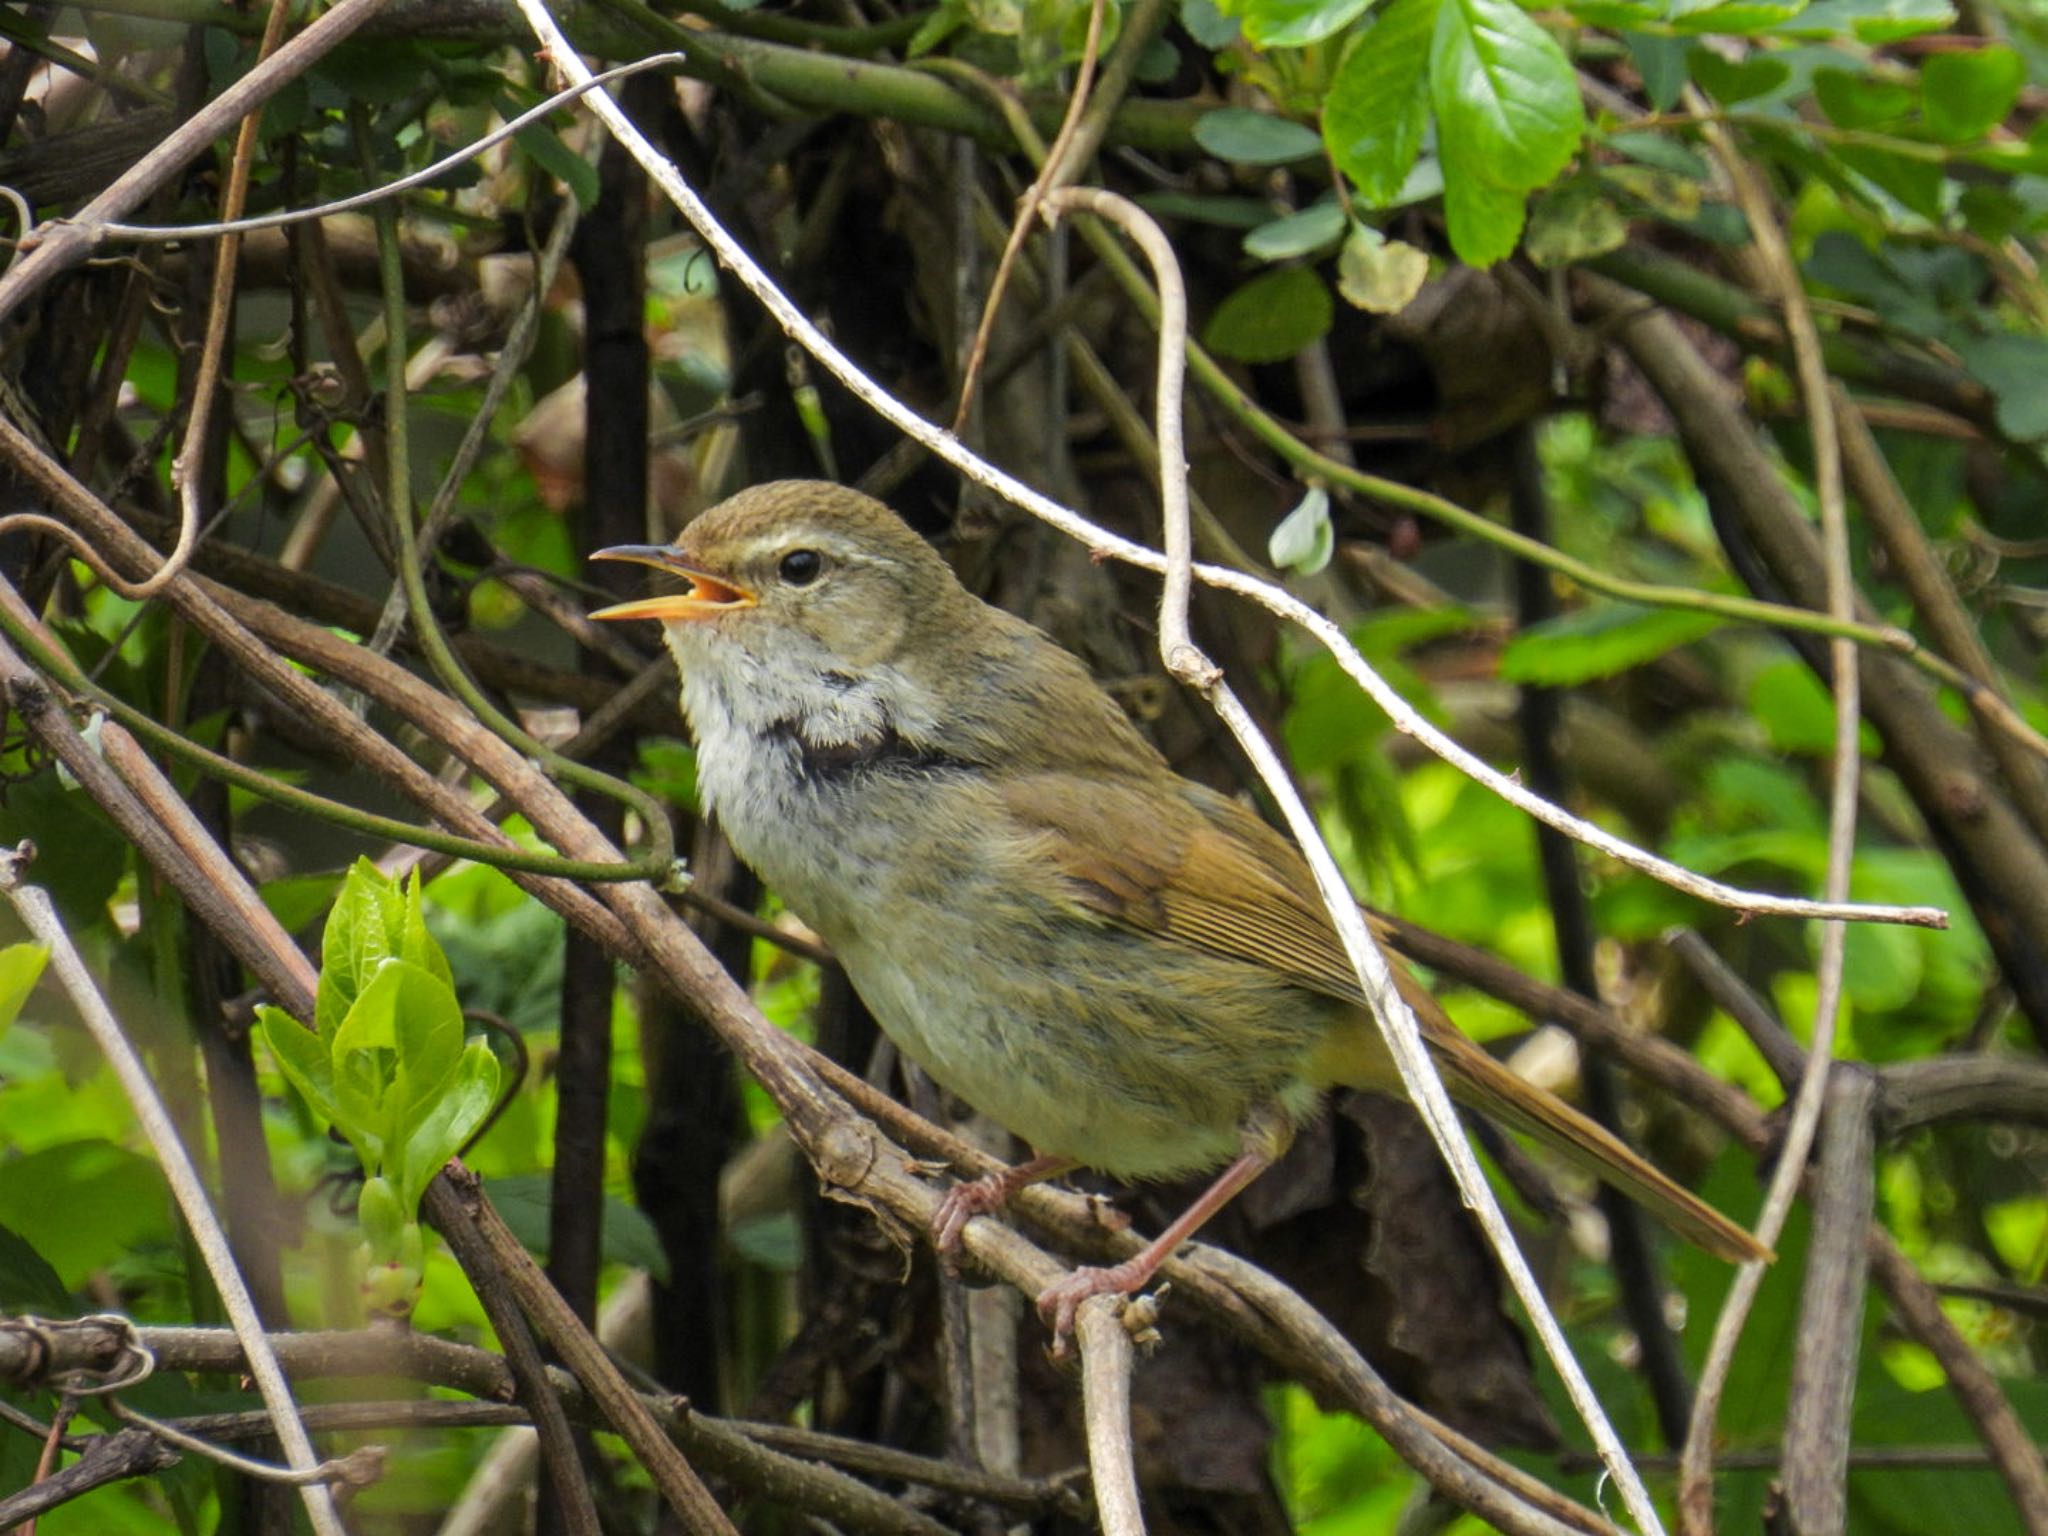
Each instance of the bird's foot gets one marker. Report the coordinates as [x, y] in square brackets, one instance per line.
[1059, 1302]
[961, 1204]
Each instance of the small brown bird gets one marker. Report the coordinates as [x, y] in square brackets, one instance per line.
[1127, 969]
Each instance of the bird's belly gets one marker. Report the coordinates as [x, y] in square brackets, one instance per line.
[1092, 1061]
[1126, 1053]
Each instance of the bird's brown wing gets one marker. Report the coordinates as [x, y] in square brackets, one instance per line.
[1173, 860]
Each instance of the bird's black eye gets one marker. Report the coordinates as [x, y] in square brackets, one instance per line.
[800, 567]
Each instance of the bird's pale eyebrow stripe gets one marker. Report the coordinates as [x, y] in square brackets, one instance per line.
[775, 545]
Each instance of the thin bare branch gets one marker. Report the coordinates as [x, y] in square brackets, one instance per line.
[1391, 1013]
[1781, 274]
[1107, 1360]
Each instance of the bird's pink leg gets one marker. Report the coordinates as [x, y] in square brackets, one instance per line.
[1266, 1138]
[987, 1194]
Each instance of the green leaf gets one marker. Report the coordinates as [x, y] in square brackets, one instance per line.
[1917, 184]
[1293, 23]
[394, 1055]
[2012, 367]
[1297, 234]
[1245, 137]
[1378, 104]
[1660, 154]
[1676, 198]
[1270, 318]
[1507, 103]
[1876, 22]
[457, 1109]
[1741, 18]
[27, 1282]
[1483, 221]
[1861, 101]
[21, 965]
[415, 943]
[1797, 714]
[84, 1205]
[1992, 213]
[295, 900]
[1303, 540]
[376, 74]
[540, 144]
[302, 1057]
[364, 929]
[1968, 94]
[1378, 275]
[1572, 223]
[1207, 25]
[1661, 62]
[1204, 208]
[1599, 641]
[1729, 83]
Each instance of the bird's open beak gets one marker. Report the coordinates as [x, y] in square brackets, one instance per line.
[708, 596]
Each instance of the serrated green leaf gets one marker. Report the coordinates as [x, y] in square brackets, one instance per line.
[1245, 137]
[1293, 23]
[1968, 94]
[1378, 103]
[1483, 221]
[1599, 641]
[1378, 275]
[1270, 318]
[1507, 103]
[1298, 233]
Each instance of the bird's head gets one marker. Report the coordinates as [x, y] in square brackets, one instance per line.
[803, 572]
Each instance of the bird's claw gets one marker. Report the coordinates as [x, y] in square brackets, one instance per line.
[961, 1204]
[1060, 1302]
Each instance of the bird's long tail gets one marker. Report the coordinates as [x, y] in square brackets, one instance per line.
[1356, 1056]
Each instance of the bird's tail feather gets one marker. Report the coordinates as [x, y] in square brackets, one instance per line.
[1356, 1056]
[1476, 1080]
